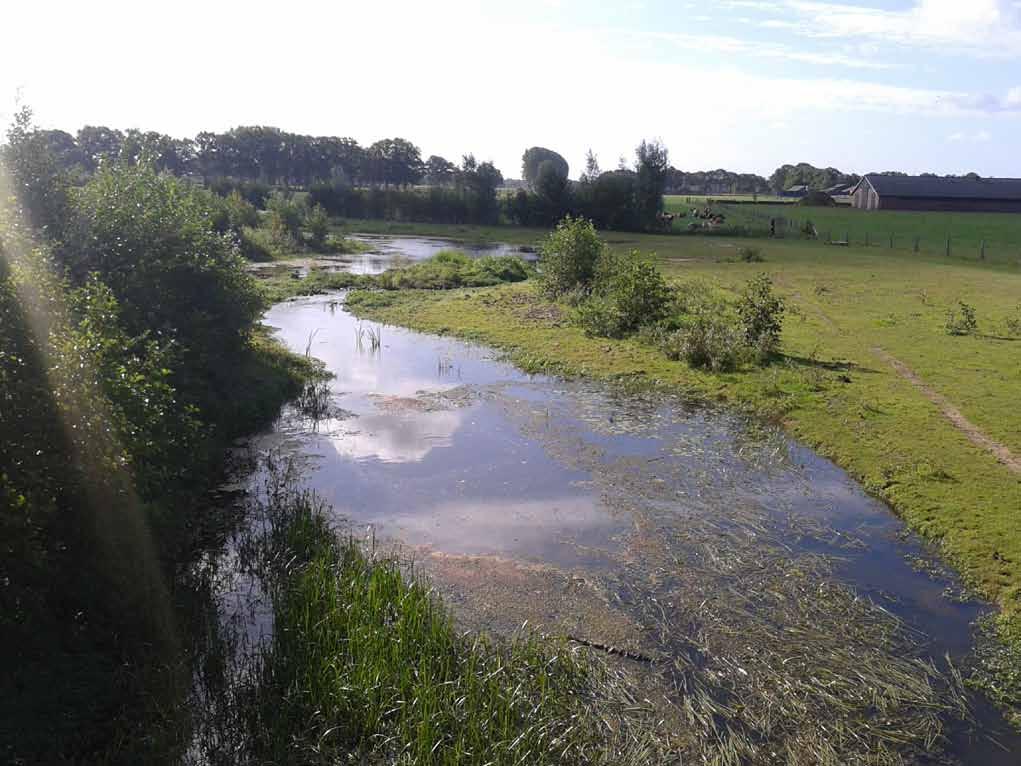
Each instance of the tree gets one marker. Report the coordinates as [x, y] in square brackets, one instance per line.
[40, 182]
[100, 143]
[479, 182]
[150, 238]
[553, 192]
[534, 157]
[652, 161]
[613, 203]
[395, 161]
[592, 171]
[439, 171]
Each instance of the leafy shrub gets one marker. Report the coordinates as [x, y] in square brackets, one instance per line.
[761, 313]
[628, 292]
[317, 224]
[501, 268]
[750, 254]
[711, 340]
[961, 319]
[240, 212]
[258, 245]
[600, 316]
[285, 219]
[568, 257]
[149, 236]
[1013, 322]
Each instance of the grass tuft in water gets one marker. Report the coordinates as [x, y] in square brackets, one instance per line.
[365, 663]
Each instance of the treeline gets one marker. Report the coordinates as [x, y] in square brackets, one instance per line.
[628, 199]
[250, 153]
[128, 356]
[715, 182]
[814, 178]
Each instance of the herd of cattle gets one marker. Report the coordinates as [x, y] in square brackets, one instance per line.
[705, 219]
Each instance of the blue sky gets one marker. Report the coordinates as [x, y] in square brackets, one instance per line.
[914, 85]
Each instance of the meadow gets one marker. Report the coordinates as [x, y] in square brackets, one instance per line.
[1001, 232]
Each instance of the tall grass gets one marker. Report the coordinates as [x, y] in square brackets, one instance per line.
[365, 665]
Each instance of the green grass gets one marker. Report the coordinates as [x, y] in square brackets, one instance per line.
[365, 666]
[678, 202]
[832, 389]
[1000, 231]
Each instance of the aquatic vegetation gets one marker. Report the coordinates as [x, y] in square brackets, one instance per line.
[365, 663]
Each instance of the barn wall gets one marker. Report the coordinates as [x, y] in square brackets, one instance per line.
[964, 205]
[865, 197]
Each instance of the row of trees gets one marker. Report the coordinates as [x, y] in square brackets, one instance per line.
[628, 198]
[252, 153]
[460, 194]
[715, 182]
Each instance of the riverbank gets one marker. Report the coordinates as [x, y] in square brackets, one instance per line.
[835, 389]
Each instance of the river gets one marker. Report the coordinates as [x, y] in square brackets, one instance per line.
[742, 563]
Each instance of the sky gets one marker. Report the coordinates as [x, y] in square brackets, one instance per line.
[862, 85]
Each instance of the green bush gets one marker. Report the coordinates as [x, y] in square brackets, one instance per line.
[711, 340]
[258, 245]
[150, 239]
[285, 217]
[961, 320]
[628, 292]
[750, 254]
[500, 268]
[568, 257]
[317, 224]
[1013, 322]
[761, 313]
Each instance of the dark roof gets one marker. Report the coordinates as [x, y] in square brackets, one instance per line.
[946, 188]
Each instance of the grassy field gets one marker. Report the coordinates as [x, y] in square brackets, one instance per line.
[678, 202]
[1001, 232]
[851, 310]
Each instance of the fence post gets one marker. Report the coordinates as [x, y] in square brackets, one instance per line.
[982, 250]
[847, 238]
[866, 239]
[948, 245]
[916, 244]
[891, 242]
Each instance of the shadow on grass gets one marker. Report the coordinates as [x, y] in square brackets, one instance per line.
[824, 365]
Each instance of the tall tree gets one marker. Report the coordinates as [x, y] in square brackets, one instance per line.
[395, 161]
[100, 143]
[439, 171]
[534, 157]
[652, 162]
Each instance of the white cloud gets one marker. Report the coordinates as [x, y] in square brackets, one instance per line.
[977, 27]
[978, 137]
[759, 49]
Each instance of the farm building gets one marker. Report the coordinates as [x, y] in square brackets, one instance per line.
[839, 190]
[795, 191]
[879, 192]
